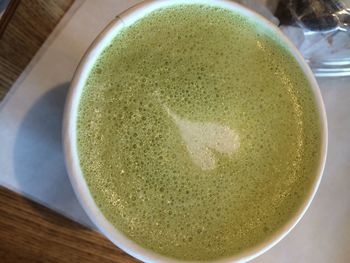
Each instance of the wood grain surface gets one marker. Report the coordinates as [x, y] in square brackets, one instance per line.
[29, 27]
[30, 232]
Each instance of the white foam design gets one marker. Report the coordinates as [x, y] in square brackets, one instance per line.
[202, 138]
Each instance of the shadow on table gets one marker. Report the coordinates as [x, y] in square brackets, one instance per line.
[39, 160]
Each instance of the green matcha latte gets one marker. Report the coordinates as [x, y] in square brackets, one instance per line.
[198, 134]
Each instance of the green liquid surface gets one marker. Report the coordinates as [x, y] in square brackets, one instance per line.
[198, 134]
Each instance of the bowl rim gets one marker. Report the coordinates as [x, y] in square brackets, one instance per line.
[76, 177]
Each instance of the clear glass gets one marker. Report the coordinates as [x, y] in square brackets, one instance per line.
[320, 29]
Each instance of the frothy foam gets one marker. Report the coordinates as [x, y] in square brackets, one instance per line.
[197, 133]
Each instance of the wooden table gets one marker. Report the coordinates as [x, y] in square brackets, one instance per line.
[30, 232]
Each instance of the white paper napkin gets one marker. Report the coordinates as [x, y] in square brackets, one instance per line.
[32, 163]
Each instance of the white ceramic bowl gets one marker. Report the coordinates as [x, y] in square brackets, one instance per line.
[70, 117]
